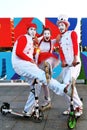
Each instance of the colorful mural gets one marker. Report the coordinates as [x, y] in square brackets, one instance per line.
[10, 29]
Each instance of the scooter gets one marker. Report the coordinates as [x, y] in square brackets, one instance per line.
[72, 118]
[37, 115]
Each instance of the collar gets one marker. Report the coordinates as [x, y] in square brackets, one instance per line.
[46, 41]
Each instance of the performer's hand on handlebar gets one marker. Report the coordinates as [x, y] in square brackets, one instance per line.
[74, 63]
[64, 64]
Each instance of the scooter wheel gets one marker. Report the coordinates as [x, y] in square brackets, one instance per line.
[38, 119]
[71, 122]
[4, 106]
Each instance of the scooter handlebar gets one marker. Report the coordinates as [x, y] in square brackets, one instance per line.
[72, 65]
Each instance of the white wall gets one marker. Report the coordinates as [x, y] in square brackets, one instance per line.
[43, 8]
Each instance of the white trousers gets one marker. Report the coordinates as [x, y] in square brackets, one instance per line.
[31, 71]
[67, 74]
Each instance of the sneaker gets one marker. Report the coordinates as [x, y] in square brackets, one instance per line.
[78, 112]
[46, 105]
[66, 112]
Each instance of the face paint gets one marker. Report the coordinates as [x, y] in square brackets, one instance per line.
[32, 32]
[62, 27]
[46, 35]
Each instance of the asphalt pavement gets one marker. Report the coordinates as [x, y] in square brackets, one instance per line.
[53, 118]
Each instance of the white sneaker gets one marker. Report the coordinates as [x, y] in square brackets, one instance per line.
[78, 112]
[66, 112]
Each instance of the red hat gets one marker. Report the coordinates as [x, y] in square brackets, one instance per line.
[31, 25]
[63, 19]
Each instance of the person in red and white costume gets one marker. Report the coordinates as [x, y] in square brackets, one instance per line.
[45, 44]
[25, 66]
[70, 55]
[46, 47]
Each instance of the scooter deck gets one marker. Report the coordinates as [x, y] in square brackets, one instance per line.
[37, 118]
[16, 113]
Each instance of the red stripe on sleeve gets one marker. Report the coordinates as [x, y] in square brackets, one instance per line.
[22, 41]
[75, 42]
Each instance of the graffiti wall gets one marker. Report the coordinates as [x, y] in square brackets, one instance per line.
[10, 29]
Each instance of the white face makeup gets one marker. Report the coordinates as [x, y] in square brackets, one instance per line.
[47, 35]
[32, 32]
[62, 27]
